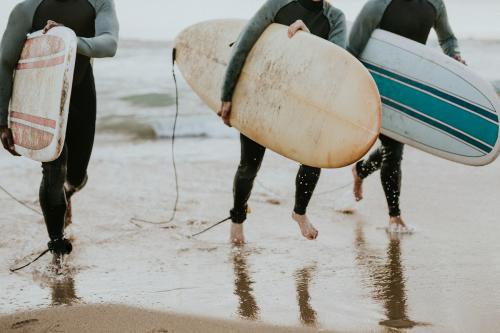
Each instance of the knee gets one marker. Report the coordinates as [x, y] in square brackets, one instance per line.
[75, 184]
[54, 173]
[392, 155]
[248, 171]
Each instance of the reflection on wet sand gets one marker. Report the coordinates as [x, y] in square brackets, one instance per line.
[63, 291]
[387, 280]
[303, 279]
[247, 308]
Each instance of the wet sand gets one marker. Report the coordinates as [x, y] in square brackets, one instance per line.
[354, 278]
[115, 318]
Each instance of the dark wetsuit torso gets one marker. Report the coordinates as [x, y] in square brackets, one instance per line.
[78, 15]
[252, 153]
[71, 166]
[310, 12]
[414, 20]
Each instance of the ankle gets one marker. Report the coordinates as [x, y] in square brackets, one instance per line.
[60, 246]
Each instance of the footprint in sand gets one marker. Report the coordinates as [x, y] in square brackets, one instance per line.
[24, 323]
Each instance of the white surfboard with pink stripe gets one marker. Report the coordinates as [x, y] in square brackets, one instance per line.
[39, 107]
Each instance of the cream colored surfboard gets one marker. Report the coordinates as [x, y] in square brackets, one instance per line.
[38, 111]
[304, 98]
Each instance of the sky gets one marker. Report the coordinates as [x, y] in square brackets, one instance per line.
[164, 19]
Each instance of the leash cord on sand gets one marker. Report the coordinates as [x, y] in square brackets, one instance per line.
[174, 211]
[19, 201]
[13, 270]
[211, 227]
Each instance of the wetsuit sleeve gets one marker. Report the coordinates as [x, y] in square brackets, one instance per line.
[105, 43]
[367, 21]
[12, 44]
[338, 33]
[247, 39]
[446, 37]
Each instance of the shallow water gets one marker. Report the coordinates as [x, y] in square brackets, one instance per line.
[444, 278]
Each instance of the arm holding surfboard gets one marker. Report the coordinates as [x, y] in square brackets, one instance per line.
[105, 43]
[254, 29]
[247, 39]
[10, 50]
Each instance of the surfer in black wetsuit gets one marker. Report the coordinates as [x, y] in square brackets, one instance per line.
[414, 20]
[313, 16]
[95, 23]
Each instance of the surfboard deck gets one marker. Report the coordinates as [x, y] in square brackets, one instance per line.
[38, 110]
[432, 102]
[304, 98]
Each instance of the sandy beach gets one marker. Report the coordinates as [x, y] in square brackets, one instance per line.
[354, 278]
[103, 319]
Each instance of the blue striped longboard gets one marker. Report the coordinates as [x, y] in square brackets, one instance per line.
[432, 102]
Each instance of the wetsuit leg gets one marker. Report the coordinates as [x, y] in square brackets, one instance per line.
[72, 165]
[390, 173]
[305, 183]
[366, 167]
[81, 130]
[52, 196]
[388, 159]
[252, 155]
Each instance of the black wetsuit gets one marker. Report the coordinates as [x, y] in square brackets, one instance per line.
[252, 154]
[412, 19]
[71, 166]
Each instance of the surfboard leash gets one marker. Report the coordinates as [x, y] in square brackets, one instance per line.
[14, 198]
[13, 270]
[211, 227]
[174, 164]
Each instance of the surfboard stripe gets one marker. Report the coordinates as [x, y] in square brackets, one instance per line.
[444, 124]
[455, 133]
[33, 119]
[37, 47]
[422, 139]
[456, 117]
[29, 137]
[483, 111]
[41, 64]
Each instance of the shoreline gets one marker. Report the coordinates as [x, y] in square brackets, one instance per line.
[124, 319]
[354, 278]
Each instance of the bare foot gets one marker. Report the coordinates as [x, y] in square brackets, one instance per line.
[57, 263]
[398, 226]
[237, 235]
[397, 221]
[306, 227]
[358, 185]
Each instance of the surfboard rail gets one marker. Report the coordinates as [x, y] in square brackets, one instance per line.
[432, 102]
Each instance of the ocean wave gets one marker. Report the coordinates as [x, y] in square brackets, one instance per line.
[150, 100]
[142, 127]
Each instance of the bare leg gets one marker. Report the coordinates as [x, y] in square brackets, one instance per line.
[358, 185]
[305, 225]
[237, 235]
